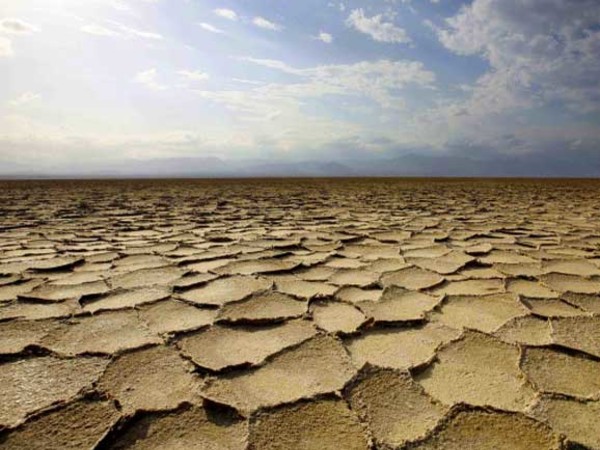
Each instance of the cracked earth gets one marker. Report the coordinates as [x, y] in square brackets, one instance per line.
[300, 314]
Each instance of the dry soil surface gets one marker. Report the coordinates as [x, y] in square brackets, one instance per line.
[300, 314]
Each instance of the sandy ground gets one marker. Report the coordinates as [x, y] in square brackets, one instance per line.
[300, 314]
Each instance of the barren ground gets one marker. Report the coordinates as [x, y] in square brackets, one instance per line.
[300, 314]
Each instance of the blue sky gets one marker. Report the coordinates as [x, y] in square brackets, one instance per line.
[96, 83]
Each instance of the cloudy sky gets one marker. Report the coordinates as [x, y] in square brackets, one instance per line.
[104, 83]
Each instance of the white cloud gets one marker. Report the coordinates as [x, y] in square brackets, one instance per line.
[121, 31]
[226, 13]
[16, 26]
[194, 75]
[6, 49]
[99, 30]
[272, 64]
[141, 33]
[376, 27]
[542, 56]
[25, 98]
[147, 78]
[325, 37]
[211, 28]
[120, 6]
[538, 51]
[379, 81]
[261, 22]
[13, 27]
[246, 81]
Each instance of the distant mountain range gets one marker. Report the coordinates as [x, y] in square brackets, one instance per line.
[410, 164]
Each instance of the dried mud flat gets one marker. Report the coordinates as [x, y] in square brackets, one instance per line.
[300, 314]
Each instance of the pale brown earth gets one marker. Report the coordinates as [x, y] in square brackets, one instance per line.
[300, 314]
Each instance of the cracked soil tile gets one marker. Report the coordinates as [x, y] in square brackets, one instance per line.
[587, 302]
[337, 317]
[128, 299]
[412, 278]
[552, 308]
[225, 290]
[526, 330]
[172, 316]
[578, 420]
[105, 333]
[78, 425]
[579, 333]
[505, 257]
[151, 379]
[258, 266]
[29, 385]
[317, 366]
[305, 289]
[571, 283]
[484, 313]
[147, 277]
[11, 291]
[325, 424]
[395, 408]
[220, 347]
[16, 335]
[489, 430]
[188, 428]
[356, 295]
[354, 277]
[580, 267]
[266, 307]
[446, 264]
[398, 305]
[399, 348]
[193, 280]
[562, 373]
[479, 370]
[37, 311]
[529, 289]
[470, 287]
[58, 293]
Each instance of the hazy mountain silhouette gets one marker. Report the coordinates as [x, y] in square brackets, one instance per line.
[409, 164]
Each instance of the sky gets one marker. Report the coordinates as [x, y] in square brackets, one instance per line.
[419, 87]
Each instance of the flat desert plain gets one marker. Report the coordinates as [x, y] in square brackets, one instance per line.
[300, 314]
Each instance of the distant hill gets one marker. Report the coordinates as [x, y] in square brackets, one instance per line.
[409, 164]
